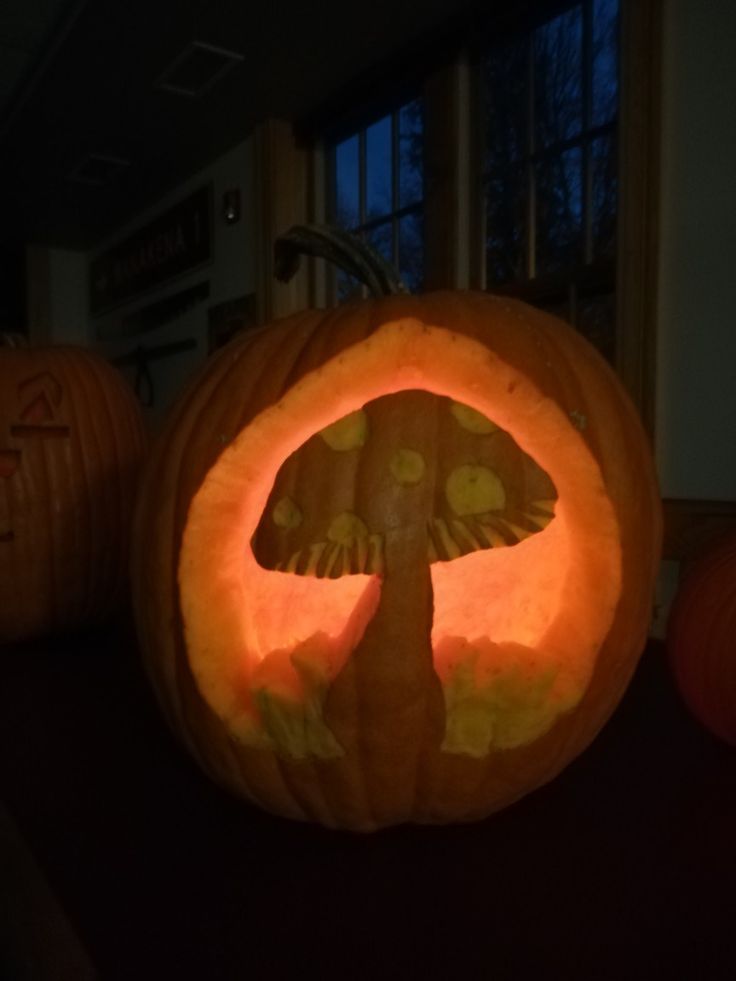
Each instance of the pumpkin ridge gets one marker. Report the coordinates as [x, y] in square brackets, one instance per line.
[99, 501]
[58, 584]
[130, 436]
[82, 466]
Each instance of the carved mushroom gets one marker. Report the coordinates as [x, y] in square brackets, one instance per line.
[445, 481]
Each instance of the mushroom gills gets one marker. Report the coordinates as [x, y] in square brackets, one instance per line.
[447, 539]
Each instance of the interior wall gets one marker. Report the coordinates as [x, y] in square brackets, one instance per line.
[696, 391]
[13, 316]
[230, 273]
[56, 306]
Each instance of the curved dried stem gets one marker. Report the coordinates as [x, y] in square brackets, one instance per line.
[344, 249]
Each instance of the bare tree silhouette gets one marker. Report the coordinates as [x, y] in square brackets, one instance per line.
[544, 148]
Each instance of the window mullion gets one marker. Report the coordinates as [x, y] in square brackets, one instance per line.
[531, 210]
[395, 189]
[362, 178]
[587, 81]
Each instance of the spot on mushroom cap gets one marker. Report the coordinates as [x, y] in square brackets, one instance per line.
[286, 514]
[472, 420]
[348, 433]
[346, 529]
[473, 489]
[407, 466]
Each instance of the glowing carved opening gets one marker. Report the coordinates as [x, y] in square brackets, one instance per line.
[515, 630]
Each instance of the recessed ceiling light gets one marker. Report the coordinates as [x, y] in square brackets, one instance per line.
[197, 69]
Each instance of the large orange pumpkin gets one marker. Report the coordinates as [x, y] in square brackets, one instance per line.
[701, 638]
[395, 561]
[71, 445]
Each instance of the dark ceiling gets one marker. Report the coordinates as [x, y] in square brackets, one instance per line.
[79, 78]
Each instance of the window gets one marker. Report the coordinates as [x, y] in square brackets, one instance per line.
[550, 103]
[376, 189]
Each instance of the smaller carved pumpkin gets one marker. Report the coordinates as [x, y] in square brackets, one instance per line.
[701, 639]
[71, 444]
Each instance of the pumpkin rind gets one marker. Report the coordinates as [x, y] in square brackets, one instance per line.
[407, 777]
[700, 639]
[74, 434]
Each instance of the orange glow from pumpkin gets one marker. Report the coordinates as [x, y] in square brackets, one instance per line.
[550, 600]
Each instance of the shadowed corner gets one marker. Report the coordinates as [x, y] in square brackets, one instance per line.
[37, 941]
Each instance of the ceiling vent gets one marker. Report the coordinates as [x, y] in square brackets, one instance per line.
[98, 168]
[197, 69]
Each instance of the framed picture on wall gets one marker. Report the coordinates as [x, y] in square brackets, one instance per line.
[175, 242]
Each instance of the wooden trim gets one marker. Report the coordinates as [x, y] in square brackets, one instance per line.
[319, 292]
[638, 213]
[448, 176]
[282, 178]
[690, 526]
[440, 178]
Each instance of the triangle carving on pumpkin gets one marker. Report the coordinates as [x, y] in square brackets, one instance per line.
[39, 397]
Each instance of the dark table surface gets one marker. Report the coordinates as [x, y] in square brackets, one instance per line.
[624, 867]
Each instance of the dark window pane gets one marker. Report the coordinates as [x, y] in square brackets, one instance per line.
[559, 211]
[378, 168]
[505, 223]
[411, 251]
[411, 141]
[558, 78]
[347, 183]
[382, 239]
[505, 78]
[605, 60]
[605, 193]
[597, 322]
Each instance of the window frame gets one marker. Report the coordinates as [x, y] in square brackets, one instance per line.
[535, 154]
[633, 273]
[454, 256]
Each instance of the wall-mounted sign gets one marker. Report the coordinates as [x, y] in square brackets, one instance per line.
[174, 242]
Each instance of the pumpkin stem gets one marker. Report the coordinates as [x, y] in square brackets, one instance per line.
[344, 249]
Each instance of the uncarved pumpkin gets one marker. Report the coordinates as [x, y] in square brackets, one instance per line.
[395, 562]
[701, 638]
[71, 445]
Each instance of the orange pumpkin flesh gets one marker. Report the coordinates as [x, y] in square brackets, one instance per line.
[71, 445]
[432, 685]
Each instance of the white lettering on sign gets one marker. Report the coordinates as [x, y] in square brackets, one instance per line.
[157, 251]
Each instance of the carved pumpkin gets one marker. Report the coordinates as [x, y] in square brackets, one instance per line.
[394, 562]
[71, 442]
[700, 638]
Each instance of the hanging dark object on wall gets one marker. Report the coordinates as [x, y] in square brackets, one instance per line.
[141, 356]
